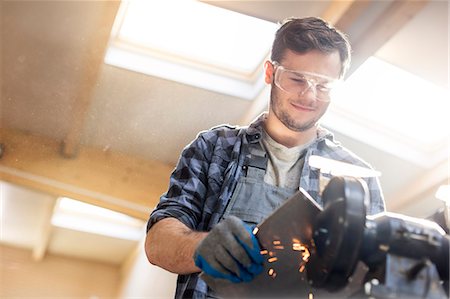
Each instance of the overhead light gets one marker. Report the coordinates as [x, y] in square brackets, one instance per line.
[76, 215]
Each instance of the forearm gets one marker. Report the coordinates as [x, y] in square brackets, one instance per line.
[170, 245]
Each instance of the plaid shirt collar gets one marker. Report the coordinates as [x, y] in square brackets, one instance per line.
[256, 128]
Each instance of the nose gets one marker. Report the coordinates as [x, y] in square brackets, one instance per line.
[310, 90]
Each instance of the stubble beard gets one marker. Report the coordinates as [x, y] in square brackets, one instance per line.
[288, 121]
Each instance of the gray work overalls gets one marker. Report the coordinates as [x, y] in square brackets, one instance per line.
[253, 199]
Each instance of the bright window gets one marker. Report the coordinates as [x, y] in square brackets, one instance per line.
[193, 43]
[76, 215]
[395, 111]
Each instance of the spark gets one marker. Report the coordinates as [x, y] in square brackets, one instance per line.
[263, 252]
[297, 247]
[384, 247]
[277, 242]
[272, 259]
[279, 247]
[255, 230]
[306, 255]
[272, 273]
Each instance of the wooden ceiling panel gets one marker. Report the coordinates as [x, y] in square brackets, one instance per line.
[100, 177]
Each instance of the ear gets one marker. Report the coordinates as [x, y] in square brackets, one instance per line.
[268, 72]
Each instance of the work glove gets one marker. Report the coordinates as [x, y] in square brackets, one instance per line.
[230, 251]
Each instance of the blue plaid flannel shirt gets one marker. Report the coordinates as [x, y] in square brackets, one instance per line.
[208, 171]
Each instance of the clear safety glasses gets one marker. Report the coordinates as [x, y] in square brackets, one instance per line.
[298, 82]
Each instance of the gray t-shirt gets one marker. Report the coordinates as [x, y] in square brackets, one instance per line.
[284, 164]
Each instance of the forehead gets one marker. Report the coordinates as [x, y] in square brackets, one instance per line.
[326, 64]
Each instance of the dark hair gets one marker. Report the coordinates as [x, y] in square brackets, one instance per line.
[304, 34]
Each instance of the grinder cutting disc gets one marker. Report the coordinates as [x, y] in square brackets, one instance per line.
[338, 232]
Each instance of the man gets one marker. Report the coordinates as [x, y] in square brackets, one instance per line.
[230, 178]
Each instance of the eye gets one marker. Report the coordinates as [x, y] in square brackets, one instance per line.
[299, 80]
[324, 88]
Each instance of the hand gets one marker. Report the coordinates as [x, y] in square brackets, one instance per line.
[230, 251]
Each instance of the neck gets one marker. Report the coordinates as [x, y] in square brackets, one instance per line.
[285, 136]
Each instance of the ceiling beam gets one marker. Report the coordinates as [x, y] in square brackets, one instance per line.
[111, 180]
[388, 23]
[41, 244]
[93, 61]
[337, 10]
[348, 17]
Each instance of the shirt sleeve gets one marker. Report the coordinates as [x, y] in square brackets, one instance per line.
[188, 185]
[376, 204]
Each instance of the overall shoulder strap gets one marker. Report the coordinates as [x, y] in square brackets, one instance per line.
[255, 163]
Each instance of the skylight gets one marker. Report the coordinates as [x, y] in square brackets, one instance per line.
[76, 215]
[395, 111]
[194, 43]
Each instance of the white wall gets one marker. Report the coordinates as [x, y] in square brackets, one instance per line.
[143, 280]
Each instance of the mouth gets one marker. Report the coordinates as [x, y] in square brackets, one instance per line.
[301, 107]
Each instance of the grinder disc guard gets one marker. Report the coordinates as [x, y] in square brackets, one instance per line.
[339, 231]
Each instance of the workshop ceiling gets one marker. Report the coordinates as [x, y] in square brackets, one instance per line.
[72, 125]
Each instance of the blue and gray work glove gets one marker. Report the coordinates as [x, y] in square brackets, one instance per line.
[230, 251]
